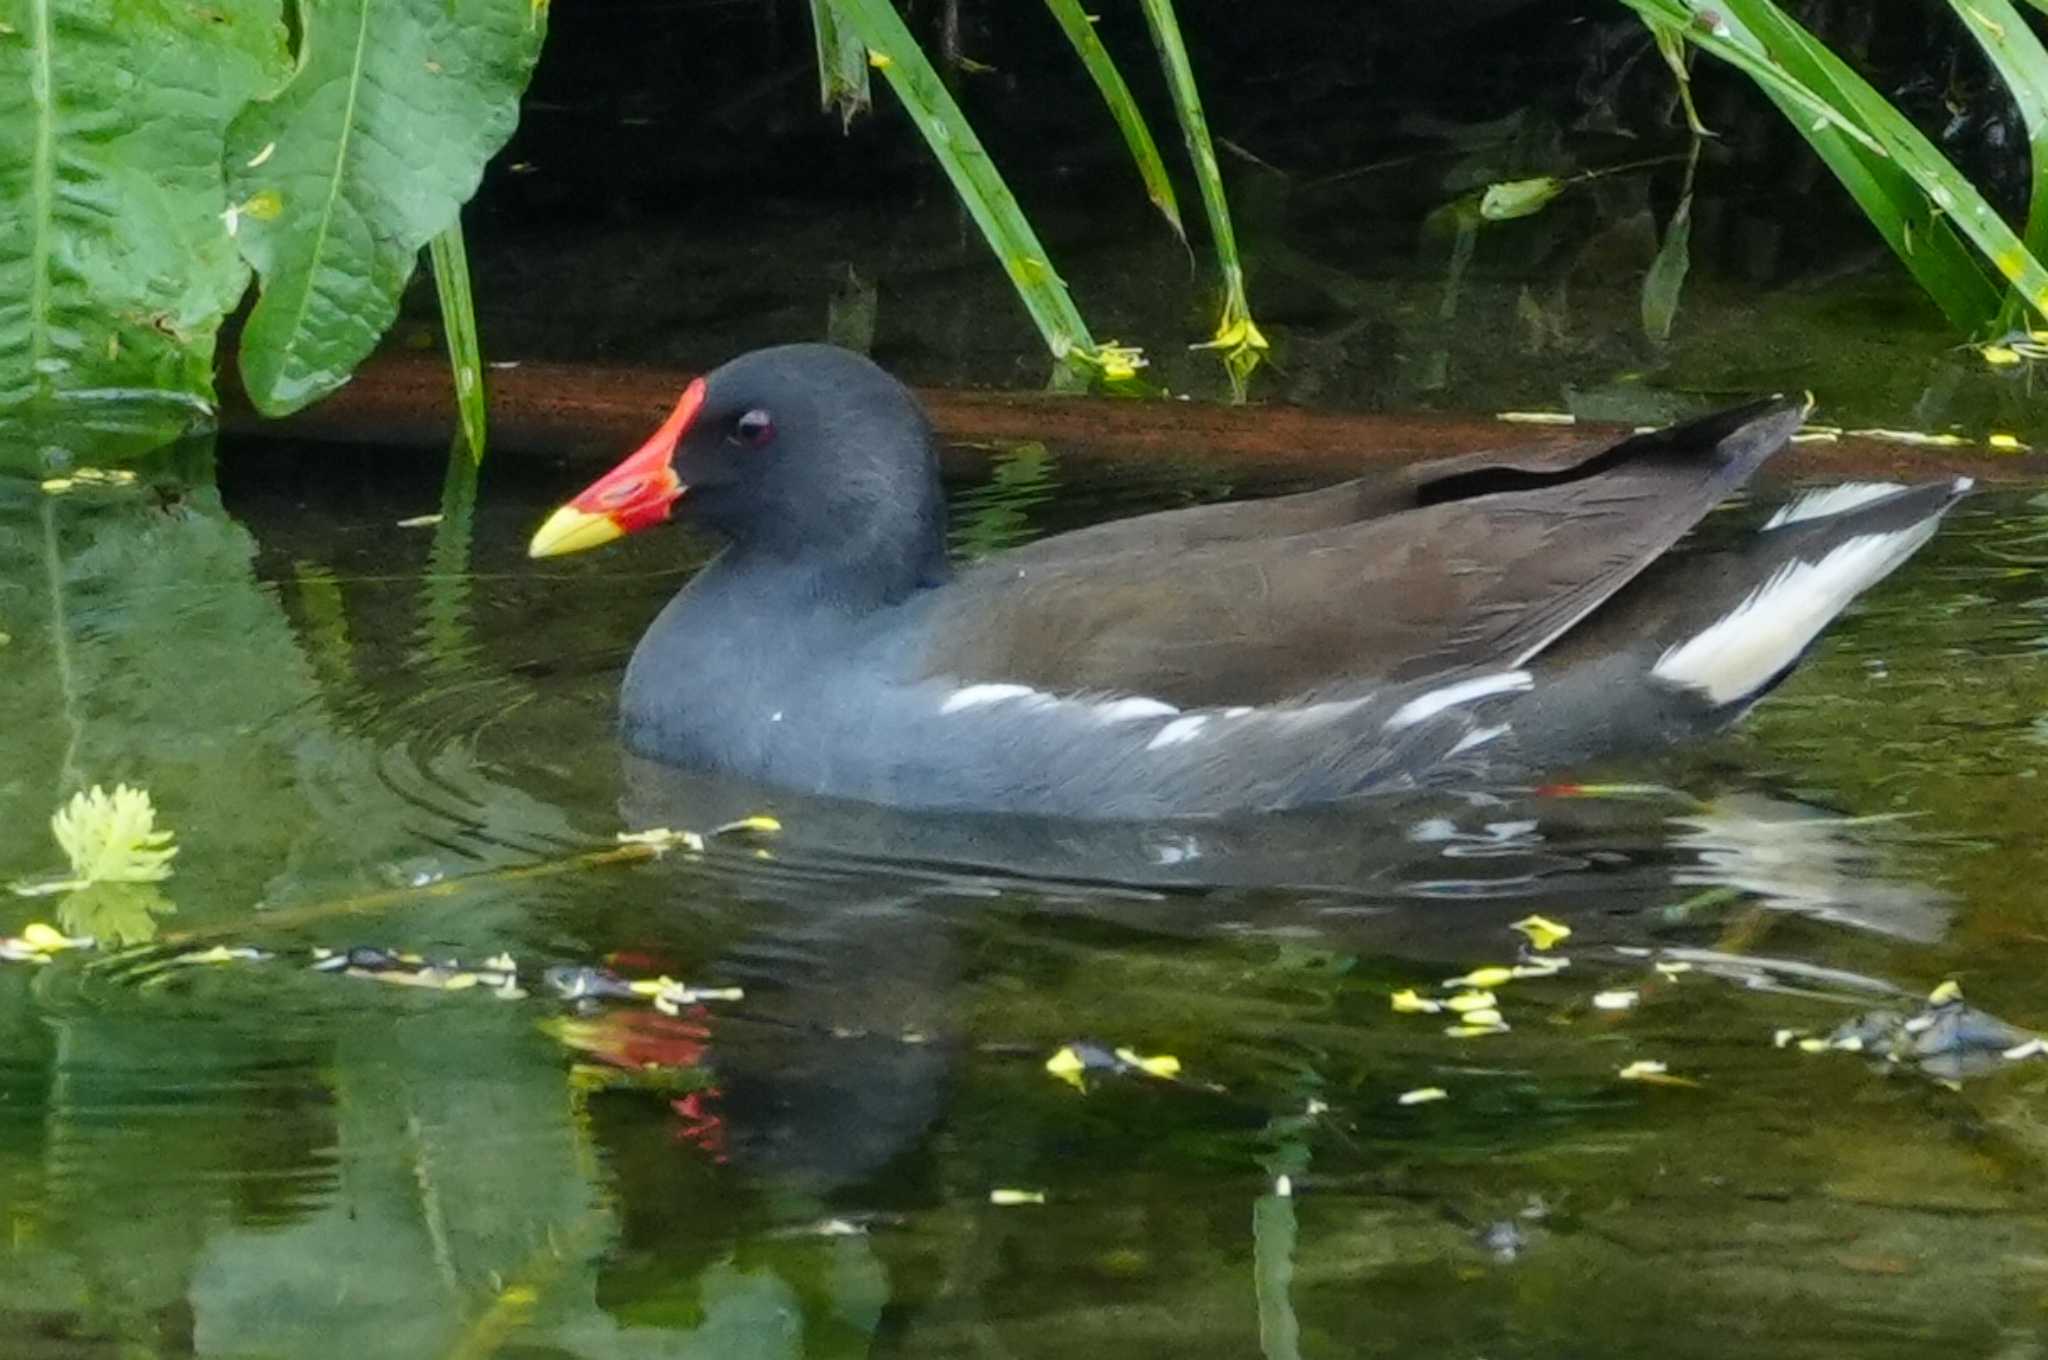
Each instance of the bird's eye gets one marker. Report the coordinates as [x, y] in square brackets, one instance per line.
[754, 429]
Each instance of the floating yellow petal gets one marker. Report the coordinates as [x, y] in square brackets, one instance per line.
[1409, 1002]
[1672, 968]
[2006, 443]
[1543, 932]
[1655, 1073]
[1474, 1031]
[1482, 978]
[1422, 1095]
[760, 821]
[1472, 1001]
[1620, 1000]
[1162, 1065]
[1009, 1197]
[1948, 991]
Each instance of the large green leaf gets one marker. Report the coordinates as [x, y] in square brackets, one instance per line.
[362, 159]
[115, 265]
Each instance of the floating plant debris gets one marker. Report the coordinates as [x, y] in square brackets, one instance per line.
[1946, 1039]
[1075, 1063]
[1542, 932]
[1422, 1095]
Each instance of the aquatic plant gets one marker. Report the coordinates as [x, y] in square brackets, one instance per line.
[854, 36]
[1928, 212]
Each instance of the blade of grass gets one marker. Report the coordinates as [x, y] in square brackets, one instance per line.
[2023, 63]
[1080, 31]
[1236, 333]
[458, 325]
[842, 66]
[1891, 178]
[989, 201]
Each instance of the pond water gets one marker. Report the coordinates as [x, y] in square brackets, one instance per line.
[368, 734]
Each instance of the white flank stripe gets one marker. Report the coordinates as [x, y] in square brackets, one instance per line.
[1739, 653]
[1831, 500]
[1479, 736]
[1176, 732]
[1124, 710]
[1463, 692]
[974, 696]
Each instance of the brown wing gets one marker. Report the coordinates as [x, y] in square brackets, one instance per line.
[1476, 561]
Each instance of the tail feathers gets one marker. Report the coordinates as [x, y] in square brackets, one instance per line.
[1812, 560]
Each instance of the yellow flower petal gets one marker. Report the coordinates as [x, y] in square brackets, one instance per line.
[1008, 1197]
[1542, 931]
[1409, 1002]
[1482, 978]
[1422, 1095]
[1951, 990]
[1472, 1001]
[1163, 1065]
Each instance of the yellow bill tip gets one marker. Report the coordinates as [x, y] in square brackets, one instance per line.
[571, 530]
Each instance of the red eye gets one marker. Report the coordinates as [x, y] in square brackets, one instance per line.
[754, 429]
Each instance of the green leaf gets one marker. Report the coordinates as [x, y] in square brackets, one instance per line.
[2023, 63]
[842, 65]
[1509, 199]
[458, 325]
[980, 187]
[115, 266]
[1080, 31]
[1666, 279]
[363, 158]
[1237, 335]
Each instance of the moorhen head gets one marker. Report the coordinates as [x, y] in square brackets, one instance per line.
[800, 453]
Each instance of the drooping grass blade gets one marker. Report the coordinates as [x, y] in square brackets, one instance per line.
[989, 201]
[458, 324]
[1080, 31]
[1236, 334]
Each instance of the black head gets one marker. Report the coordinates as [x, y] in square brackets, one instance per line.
[805, 453]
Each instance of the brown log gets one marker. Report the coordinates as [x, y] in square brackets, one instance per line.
[591, 414]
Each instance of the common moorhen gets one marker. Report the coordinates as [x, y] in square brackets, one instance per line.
[1481, 617]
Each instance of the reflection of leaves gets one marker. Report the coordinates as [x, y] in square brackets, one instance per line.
[1667, 274]
[997, 514]
[115, 914]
